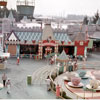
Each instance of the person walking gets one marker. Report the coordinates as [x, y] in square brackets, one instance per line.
[48, 83]
[8, 84]
[57, 91]
[17, 60]
[4, 78]
[75, 66]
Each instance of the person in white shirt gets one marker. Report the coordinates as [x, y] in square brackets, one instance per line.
[8, 84]
[48, 83]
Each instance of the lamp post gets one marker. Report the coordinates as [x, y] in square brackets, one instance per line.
[55, 58]
[58, 65]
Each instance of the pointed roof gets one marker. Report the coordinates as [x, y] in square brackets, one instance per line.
[5, 16]
[98, 22]
[62, 57]
[12, 37]
[25, 18]
[79, 37]
[96, 35]
[90, 22]
[10, 16]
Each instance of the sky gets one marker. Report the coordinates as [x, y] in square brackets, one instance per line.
[63, 7]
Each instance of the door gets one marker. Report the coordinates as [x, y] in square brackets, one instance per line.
[12, 50]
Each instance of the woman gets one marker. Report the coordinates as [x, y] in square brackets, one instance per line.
[8, 84]
[57, 91]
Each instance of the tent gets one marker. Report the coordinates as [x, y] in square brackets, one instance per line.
[50, 55]
[62, 57]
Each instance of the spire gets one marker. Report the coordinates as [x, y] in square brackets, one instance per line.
[5, 16]
[80, 36]
[87, 35]
[98, 22]
[63, 56]
[10, 16]
[90, 22]
[47, 32]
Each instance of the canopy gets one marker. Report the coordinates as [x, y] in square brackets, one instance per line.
[5, 55]
[62, 57]
[50, 55]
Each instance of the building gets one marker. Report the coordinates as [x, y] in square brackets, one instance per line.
[93, 32]
[40, 42]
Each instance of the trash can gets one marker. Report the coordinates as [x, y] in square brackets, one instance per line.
[29, 79]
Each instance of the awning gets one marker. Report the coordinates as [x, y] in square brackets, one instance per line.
[62, 57]
[5, 55]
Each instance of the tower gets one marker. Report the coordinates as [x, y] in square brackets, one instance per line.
[3, 4]
[25, 8]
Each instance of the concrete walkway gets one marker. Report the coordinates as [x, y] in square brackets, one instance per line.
[39, 71]
[18, 75]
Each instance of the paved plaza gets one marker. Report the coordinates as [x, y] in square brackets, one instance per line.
[18, 76]
[39, 69]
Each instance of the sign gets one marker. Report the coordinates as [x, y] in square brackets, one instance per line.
[81, 43]
[48, 44]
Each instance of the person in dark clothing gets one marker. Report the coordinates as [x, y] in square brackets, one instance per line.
[4, 78]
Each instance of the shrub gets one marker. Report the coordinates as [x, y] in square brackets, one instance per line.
[53, 76]
[53, 86]
[64, 95]
[61, 70]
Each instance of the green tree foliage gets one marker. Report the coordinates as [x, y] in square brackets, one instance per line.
[96, 17]
[85, 20]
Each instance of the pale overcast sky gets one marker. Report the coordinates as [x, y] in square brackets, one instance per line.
[63, 7]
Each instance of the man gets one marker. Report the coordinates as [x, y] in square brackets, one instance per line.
[4, 78]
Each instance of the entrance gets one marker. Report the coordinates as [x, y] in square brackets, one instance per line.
[45, 48]
[28, 49]
[68, 49]
[96, 45]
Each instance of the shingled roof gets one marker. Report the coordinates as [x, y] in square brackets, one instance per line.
[96, 35]
[79, 37]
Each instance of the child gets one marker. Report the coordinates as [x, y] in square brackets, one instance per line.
[48, 83]
[8, 84]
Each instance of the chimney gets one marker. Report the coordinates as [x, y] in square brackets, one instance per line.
[47, 32]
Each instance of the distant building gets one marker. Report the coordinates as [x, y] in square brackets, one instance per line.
[24, 8]
[93, 31]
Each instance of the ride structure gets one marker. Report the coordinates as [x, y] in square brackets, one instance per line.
[25, 8]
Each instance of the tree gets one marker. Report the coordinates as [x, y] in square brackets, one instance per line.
[96, 17]
[85, 20]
